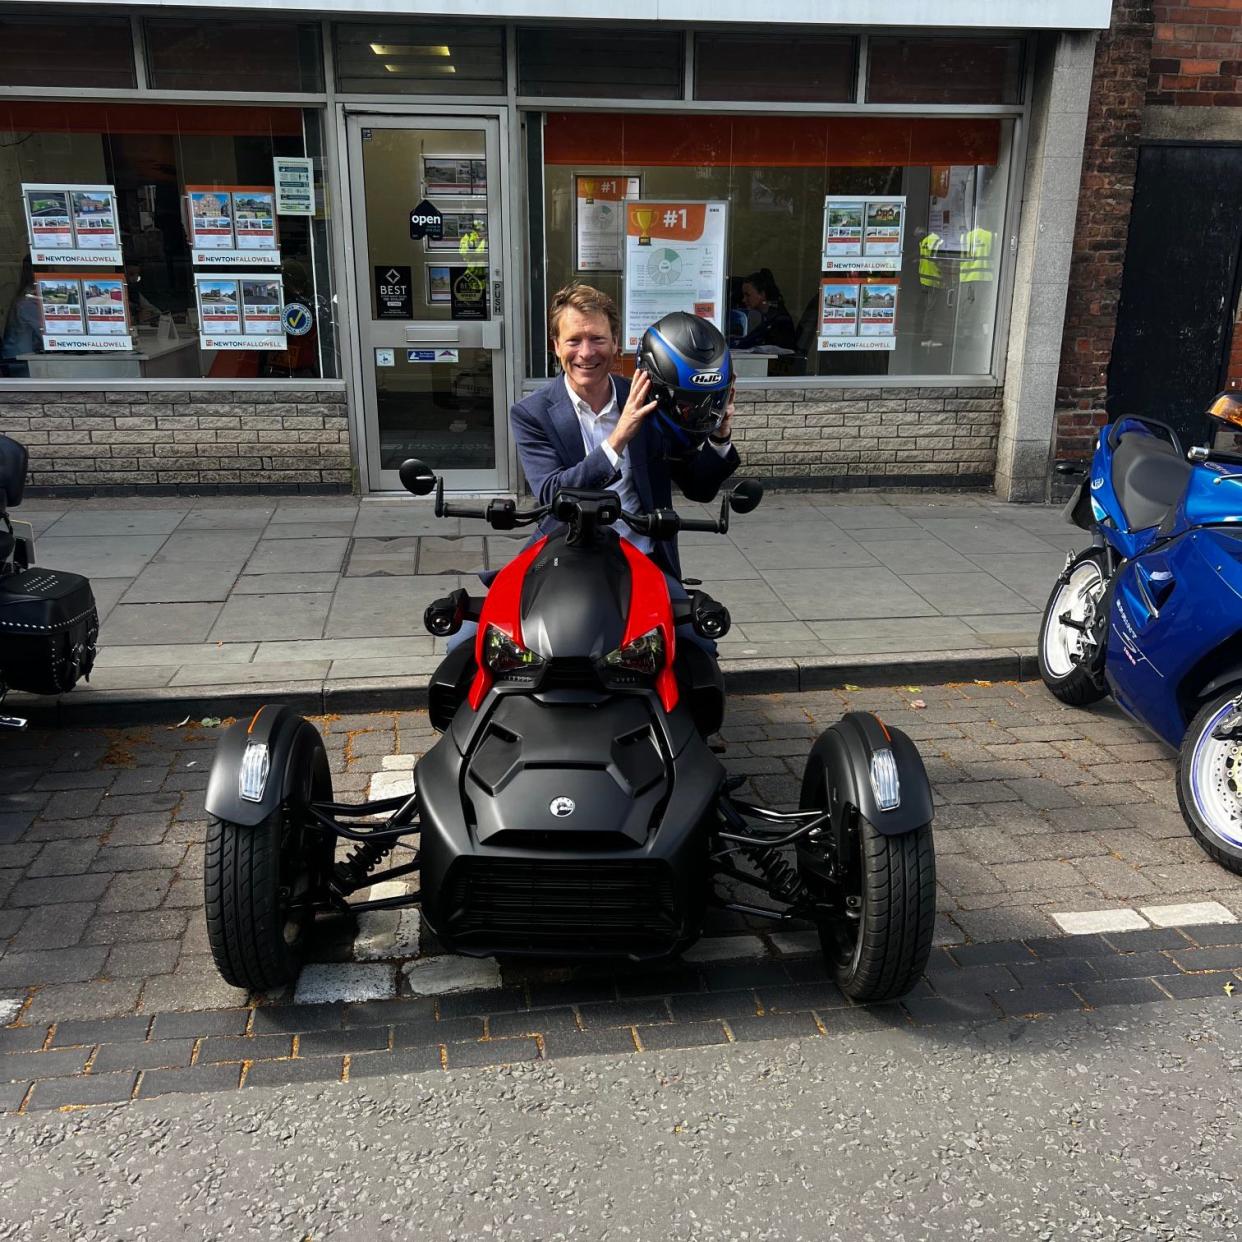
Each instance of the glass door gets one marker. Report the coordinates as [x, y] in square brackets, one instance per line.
[431, 331]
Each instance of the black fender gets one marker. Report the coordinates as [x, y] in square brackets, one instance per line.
[843, 753]
[1077, 510]
[298, 766]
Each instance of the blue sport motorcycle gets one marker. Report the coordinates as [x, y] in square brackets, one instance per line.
[1151, 612]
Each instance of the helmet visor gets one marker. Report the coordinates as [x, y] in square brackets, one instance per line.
[697, 412]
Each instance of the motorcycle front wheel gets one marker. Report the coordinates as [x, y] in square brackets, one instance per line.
[1209, 779]
[1070, 660]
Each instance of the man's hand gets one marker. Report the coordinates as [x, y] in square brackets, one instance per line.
[637, 407]
[725, 430]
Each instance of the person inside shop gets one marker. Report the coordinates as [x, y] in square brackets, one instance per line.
[761, 295]
[22, 325]
[141, 309]
[590, 428]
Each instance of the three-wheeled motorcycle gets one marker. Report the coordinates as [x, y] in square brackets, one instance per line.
[573, 806]
[1151, 612]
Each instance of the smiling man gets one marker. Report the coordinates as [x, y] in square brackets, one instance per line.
[590, 428]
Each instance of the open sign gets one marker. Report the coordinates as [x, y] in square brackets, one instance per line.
[426, 221]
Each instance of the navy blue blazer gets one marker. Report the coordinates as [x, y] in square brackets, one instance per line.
[549, 444]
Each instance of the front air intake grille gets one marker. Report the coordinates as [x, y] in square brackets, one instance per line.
[515, 905]
[570, 673]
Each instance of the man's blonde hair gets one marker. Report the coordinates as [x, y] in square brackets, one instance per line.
[586, 300]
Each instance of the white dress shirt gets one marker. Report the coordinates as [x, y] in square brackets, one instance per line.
[596, 428]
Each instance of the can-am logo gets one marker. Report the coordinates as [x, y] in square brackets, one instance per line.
[560, 807]
[706, 378]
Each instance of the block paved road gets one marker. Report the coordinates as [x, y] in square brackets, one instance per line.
[108, 991]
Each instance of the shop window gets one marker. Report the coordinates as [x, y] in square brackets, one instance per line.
[944, 71]
[802, 68]
[95, 52]
[431, 59]
[202, 55]
[822, 246]
[164, 242]
[600, 63]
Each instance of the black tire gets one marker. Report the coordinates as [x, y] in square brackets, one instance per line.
[1075, 684]
[880, 955]
[250, 877]
[1209, 784]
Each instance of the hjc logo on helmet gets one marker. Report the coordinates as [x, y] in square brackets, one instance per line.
[706, 378]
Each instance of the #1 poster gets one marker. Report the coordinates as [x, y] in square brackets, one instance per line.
[838, 308]
[877, 311]
[294, 176]
[599, 218]
[674, 261]
[254, 219]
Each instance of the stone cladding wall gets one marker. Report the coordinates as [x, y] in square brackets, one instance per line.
[166, 443]
[869, 437]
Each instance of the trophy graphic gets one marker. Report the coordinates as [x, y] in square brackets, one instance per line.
[644, 217]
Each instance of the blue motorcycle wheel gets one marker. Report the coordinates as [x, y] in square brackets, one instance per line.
[1069, 658]
[1209, 780]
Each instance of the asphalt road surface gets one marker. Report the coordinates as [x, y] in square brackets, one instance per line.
[1116, 1123]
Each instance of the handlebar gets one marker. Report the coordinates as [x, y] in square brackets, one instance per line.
[1200, 453]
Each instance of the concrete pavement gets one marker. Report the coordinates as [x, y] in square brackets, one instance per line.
[211, 604]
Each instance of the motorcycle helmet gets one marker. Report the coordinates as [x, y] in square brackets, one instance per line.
[688, 361]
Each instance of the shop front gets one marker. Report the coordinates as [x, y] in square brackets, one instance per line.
[285, 254]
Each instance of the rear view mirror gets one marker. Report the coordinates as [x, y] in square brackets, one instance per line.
[417, 477]
[746, 495]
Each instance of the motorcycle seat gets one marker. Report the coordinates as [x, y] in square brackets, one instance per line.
[1149, 477]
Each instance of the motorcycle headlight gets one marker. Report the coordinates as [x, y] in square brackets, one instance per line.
[503, 654]
[644, 654]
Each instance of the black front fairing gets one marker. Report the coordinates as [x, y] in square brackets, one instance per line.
[575, 599]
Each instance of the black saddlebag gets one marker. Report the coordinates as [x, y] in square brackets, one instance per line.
[48, 627]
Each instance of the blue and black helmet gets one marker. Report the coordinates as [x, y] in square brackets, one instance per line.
[688, 361]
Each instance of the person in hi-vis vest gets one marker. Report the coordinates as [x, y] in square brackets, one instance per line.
[930, 276]
[976, 247]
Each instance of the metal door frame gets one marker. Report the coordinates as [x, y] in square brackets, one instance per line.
[494, 120]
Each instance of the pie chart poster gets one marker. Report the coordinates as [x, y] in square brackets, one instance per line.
[674, 261]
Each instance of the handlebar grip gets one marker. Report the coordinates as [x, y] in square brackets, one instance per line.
[705, 524]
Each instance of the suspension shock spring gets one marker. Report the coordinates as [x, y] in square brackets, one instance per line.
[781, 875]
[362, 860]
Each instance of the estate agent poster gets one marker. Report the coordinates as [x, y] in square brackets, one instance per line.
[71, 224]
[838, 308]
[674, 261]
[863, 233]
[857, 315]
[254, 219]
[454, 174]
[83, 313]
[294, 176]
[464, 232]
[230, 224]
[240, 312]
[599, 216]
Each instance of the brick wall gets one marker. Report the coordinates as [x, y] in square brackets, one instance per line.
[204, 440]
[1110, 157]
[1156, 54]
[870, 437]
[1196, 55]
